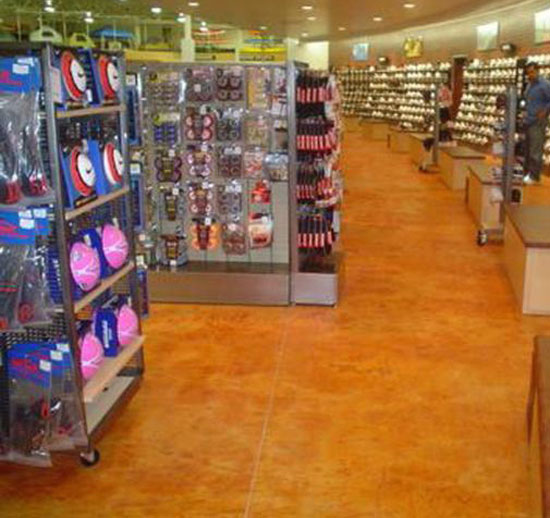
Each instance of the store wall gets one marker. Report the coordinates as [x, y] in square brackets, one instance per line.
[457, 37]
[315, 54]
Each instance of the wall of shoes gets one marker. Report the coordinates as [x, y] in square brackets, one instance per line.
[402, 95]
[70, 334]
[478, 114]
[354, 88]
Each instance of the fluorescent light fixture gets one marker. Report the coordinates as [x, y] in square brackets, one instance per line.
[263, 27]
[49, 9]
[342, 28]
[203, 29]
[89, 19]
[193, 4]
[311, 18]
[156, 10]
[307, 7]
[377, 19]
[409, 5]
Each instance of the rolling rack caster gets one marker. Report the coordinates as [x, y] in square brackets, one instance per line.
[482, 238]
[90, 458]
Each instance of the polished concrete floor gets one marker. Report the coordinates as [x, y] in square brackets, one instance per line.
[407, 400]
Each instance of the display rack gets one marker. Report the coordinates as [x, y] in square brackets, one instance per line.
[200, 250]
[99, 396]
[484, 82]
[317, 182]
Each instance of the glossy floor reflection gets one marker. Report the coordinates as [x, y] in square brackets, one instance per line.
[407, 400]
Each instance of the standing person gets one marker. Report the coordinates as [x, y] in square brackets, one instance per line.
[538, 108]
[445, 100]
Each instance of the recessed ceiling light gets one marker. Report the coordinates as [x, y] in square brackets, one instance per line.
[341, 28]
[49, 9]
[193, 4]
[307, 7]
[88, 19]
[263, 27]
[305, 34]
[311, 18]
[156, 10]
[409, 5]
[203, 24]
[377, 19]
[181, 18]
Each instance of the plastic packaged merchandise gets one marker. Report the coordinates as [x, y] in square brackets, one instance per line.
[199, 160]
[200, 197]
[199, 84]
[12, 266]
[230, 200]
[205, 234]
[229, 127]
[233, 238]
[257, 130]
[230, 161]
[30, 389]
[260, 230]
[254, 163]
[230, 84]
[276, 165]
[259, 88]
[22, 176]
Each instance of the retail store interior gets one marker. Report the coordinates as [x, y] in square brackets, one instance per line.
[274, 260]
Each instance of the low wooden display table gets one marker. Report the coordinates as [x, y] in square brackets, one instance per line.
[527, 256]
[480, 196]
[454, 162]
[374, 130]
[538, 425]
[398, 140]
[416, 146]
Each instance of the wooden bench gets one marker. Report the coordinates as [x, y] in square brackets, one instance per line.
[416, 146]
[398, 140]
[454, 162]
[538, 428]
[480, 196]
[527, 256]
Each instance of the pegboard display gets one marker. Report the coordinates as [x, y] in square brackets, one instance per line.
[216, 151]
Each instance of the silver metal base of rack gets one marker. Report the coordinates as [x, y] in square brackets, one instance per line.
[198, 283]
[319, 288]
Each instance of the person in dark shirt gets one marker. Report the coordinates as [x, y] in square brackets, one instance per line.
[538, 107]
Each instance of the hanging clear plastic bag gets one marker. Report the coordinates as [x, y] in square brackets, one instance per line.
[276, 165]
[30, 404]
[12, 261]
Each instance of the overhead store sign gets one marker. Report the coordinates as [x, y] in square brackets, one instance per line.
[487, 36]
[413, 47]
[542, 26]
[360, 52]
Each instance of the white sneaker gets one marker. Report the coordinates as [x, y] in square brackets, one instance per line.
[527, 180]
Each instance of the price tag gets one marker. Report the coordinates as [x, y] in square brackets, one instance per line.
[20, 69]
[142, 237]
[25, 214]
[135, 169]
[171, 153]
[238, 188]
[232, 227]
[40, 213]
[56, 356]
[204, 148]
[197, 88]
[89, 95]
[173, 263]
[205, 185]
[45, 366]
[131, 80]
[63, 347]
[208, 221]
[203, 110]
[175, 191]
[27, 224]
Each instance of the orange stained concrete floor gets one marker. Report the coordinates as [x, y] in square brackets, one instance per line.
[407, 400]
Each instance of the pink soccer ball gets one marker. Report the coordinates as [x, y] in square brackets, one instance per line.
[91, 355]
[115, 245]
[85, 267]
[127, 325]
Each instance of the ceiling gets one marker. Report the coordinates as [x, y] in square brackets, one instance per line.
[286, 17]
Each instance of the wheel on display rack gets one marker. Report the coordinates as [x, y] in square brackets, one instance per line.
[90, 458]
[482, 238]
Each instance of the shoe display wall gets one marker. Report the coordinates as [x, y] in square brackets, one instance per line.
[478, 114]
[354, 86]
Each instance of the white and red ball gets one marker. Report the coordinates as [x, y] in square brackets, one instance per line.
[85, 265]
[113, 164]
[115, 246]
[91, 355]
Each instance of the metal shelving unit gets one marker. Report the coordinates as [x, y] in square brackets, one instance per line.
[100, 398]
